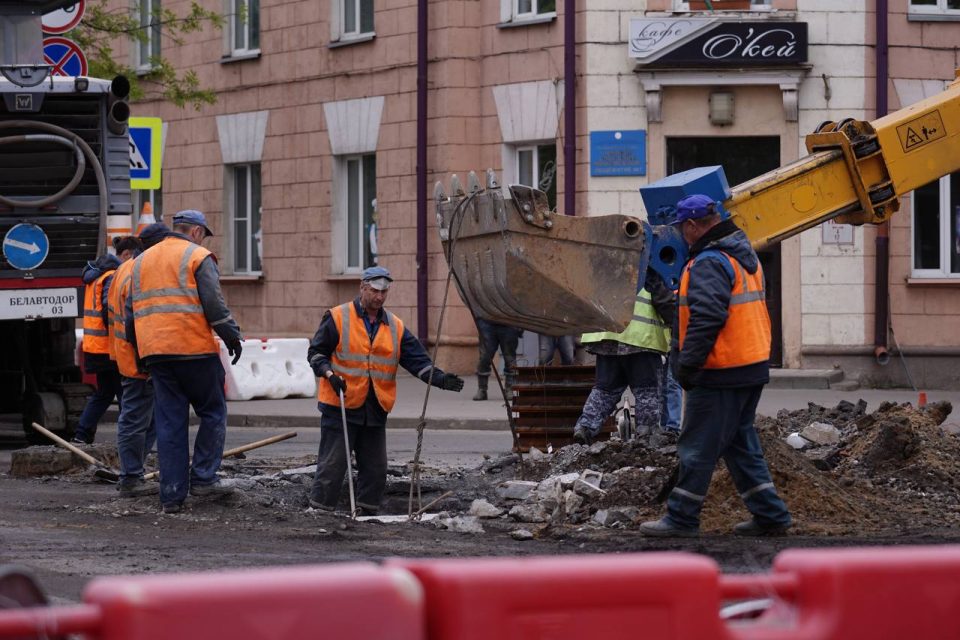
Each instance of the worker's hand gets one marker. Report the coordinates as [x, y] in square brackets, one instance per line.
[451, 382]
[685, 377]
[339, 384]
[235, 348]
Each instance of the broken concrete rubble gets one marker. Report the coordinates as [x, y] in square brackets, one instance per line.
[483, 509]
[516, 489]
[616, 515]
[821, 433]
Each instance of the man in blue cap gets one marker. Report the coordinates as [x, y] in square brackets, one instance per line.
[177, 306]
[722, 340]
[355, 353]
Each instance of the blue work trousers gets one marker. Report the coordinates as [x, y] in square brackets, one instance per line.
[179, 385]
[671, 407]
[548, 345]
[718, 423]
[136, 428]
[108, 388]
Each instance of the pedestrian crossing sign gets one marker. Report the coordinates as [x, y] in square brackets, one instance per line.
[145, 152]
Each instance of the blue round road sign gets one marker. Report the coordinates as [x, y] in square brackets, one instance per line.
[25, 246]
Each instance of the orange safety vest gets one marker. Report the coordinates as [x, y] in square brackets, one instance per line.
[745, 338]
[358, 360]
[95, 339]
[121, 350]
[167, 313]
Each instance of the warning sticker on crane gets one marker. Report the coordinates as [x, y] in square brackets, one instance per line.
[920, 131]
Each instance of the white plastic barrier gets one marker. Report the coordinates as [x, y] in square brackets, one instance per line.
[269, 369]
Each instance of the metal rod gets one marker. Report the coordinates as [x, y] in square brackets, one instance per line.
[346, 444]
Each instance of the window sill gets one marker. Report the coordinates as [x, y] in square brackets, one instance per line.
[916, 16]
[242, 277]
[344, 277]
[933, 282]
[528, 22]
[143, 71]
[346, 41]
[240, 56]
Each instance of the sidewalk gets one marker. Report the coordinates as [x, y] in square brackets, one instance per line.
[448, 410]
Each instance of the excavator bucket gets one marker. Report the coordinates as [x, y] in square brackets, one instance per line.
[517, 263]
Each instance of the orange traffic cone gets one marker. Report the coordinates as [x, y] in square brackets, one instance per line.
[146, 217]
[922, 399]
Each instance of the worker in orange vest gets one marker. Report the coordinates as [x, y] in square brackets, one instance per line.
[98, 276]
[176, 306]
[723, 346]
[356, 351]
[136, 431]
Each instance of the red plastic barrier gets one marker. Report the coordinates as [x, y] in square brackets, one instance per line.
[333, 601]
[856, 594]
[613, 597]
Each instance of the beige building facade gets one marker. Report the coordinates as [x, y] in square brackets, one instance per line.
[307, 163]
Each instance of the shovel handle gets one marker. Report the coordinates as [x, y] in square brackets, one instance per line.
[259, 443]
[66, 445]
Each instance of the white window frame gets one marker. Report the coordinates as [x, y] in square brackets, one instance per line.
[946, 217]
[153, 43]
[240, 8]
[940, 8]
[534, 10]
[252, 240]
[342, 261]
[513, 169]
[358, 31]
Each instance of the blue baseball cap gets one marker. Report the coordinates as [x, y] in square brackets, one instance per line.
[192, 216]
[153, 233]
[377, 277]
[694, 207]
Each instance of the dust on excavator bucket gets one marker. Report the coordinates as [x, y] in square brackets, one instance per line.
[517, 263]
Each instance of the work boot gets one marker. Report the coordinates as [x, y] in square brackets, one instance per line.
[319, 506]
[173, 507]
[663, 528]
[509, 381]
[137, 488]
[582, 436]
[753, 528]
[481, 393]
[213, 489]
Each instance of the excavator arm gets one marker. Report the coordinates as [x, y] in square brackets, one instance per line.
[515, 262]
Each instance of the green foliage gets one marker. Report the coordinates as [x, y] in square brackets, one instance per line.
[103, 27]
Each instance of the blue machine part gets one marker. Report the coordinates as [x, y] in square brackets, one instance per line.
[668, 249]
[660, 198]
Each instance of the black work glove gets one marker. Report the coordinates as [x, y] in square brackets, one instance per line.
[339, 384]
[451, 382]
[685, 377]
[235, 349]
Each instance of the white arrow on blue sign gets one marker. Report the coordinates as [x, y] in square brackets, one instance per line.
[25, 246]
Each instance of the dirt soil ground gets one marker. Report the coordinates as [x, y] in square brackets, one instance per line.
[891, 478]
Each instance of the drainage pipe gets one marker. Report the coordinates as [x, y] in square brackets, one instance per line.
[422, 281]
[881, 287]
[569, 107]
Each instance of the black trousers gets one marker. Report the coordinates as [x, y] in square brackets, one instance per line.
[369, 444]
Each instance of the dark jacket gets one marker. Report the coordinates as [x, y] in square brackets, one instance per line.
[413, 358]
[97, 362]
[708, 296]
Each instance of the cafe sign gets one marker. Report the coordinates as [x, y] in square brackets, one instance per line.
[711, 42]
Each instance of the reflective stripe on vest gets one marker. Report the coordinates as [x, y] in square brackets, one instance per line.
[745, 337]
[121, 350]
[646, 330]
[167, 313]
[360, 361]
[95, 336]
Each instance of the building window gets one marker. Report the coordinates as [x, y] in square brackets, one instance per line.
[245, 210]
[533, 8]
[936, 229]
[356, 17]
[946, 7]
[148, 50]
[537, 167]
[358, 180]
[244, 27]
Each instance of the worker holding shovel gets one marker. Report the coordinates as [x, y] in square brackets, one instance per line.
[355, 353]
